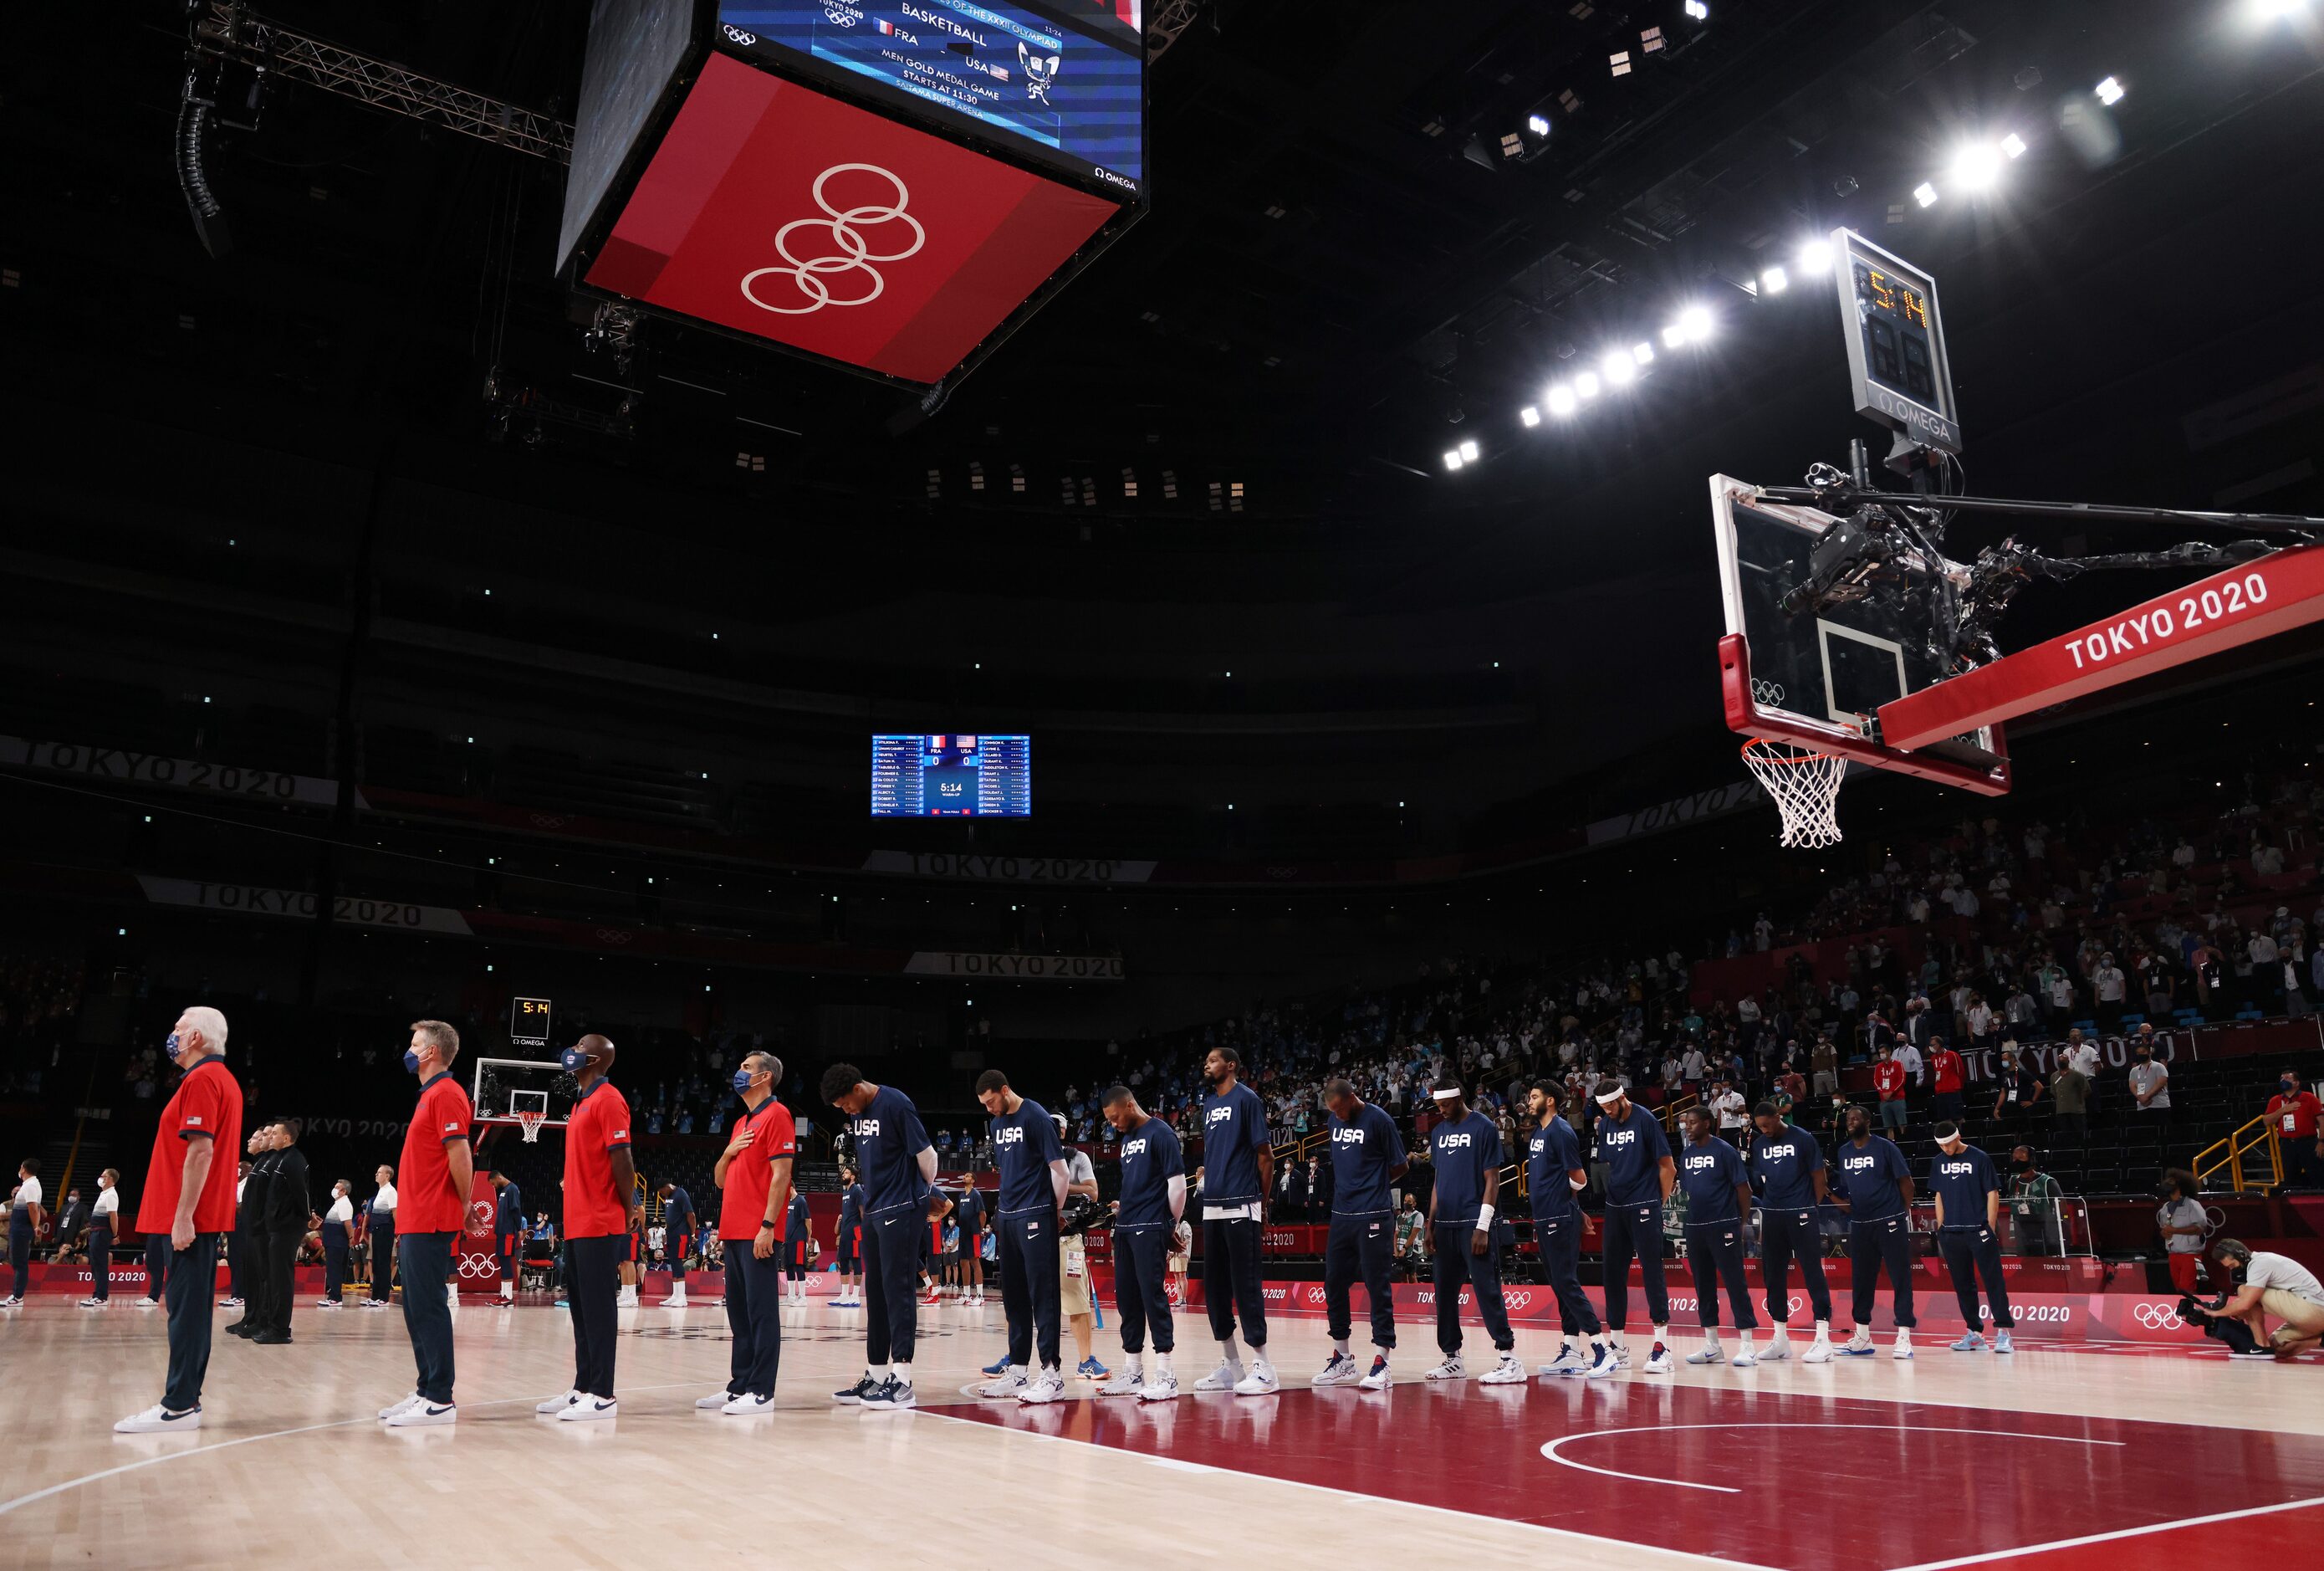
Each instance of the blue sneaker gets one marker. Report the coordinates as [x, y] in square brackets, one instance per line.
[854, 1395]
[998, 1367]
[1971, 1341]
[1091, 1369]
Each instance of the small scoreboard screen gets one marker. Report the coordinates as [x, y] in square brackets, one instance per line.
[952, 776]
[528, 1021]
[1895, 343]
[1062, 82]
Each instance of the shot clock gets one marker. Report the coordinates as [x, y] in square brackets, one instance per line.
[1895, 343]
[529, 1022]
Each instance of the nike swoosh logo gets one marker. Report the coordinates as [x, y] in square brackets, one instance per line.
[433, 1411]
[603, 1406]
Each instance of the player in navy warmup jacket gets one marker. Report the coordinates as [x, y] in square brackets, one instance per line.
[1556, 1177]
[1717, 1188]
[900, 1197]
[1367, 1159]
[1787, 1169]
[1969, 1216]
[1465, 1148]
[1876, 1190]
[1640, 1176]
[1145, 1221]
[1238, 1166]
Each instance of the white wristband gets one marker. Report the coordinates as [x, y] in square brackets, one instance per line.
[1577, 1185]
[1484, 1219]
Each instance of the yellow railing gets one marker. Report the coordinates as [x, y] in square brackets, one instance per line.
[2227, 1155]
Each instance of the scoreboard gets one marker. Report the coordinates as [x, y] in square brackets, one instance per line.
[952, 776]
[1895, 343]
[529, 1022]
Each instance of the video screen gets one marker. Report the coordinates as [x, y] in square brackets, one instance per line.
[1063, 80]
[952, 777]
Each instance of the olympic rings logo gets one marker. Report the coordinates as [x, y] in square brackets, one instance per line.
[2159, 1317]
[1516, 1300]
[2213, 1220]
[481, 1215]
[854, 253]
[1767, 694]
[479, 1265]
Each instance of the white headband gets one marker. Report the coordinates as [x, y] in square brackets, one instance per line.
[1452, 1095]
[1608, 1098]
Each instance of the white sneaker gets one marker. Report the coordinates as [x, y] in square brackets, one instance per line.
[553, 1405]
[1858, 1345]
[1259, 1382]
[406, 1404]
[673, 1302]
[1508, 1371]
[1377, 1378]
[1818, 1352]
[420, 1413]
[1048, 1386]
[1659, 1362]
[1778, 1348]
[1621, 1354]
[1570, 1360]
[328, 1304]
[1904, 1349]
[1451, 1368]
[1604, 1365]
[627, 1298]
[1127, 1384]
[1162, 1388]
[94, 1303]
[747, 1405]
[1744, 1359]
[1224, 1378]
[713, 1404]
[223, 1303]
[158, 1419]
[1339, 1369]
[1711, 1352]
[1011, 1383]
[589, 1410]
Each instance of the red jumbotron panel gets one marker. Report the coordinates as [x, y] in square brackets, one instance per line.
[773, 211]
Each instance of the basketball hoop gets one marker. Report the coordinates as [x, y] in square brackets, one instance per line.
[528, 1123]
[1805, 785]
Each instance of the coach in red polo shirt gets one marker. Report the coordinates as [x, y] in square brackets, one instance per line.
[1947, 1076]
[437, 1171]
[2293, 1111]
[754, 1172]
[601, 1209]
[189, 1196]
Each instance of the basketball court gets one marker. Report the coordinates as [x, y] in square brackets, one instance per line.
[2062, 1457]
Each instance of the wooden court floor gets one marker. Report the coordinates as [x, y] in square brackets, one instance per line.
[2058, 1457]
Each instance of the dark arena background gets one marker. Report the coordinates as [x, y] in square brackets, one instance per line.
[1535, 586]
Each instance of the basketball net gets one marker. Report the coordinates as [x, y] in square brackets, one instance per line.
[1805, 785]
[528, 1123]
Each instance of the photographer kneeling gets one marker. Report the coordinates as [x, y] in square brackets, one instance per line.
[2267, 1284]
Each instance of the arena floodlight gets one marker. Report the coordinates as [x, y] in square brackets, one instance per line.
[1977, 167]
[1814, 257]
[1469, 451]
[1451, 459]
[1644, 353]
[2110, 92]
[1695, 321]
[1618, 369]
[1537, 123]
[1673, 336]
[1774, 280]
[1698, 9]
[1529, 416]
[1585, 386]
[2014, 145]
[1560, 400]
[1925, 194]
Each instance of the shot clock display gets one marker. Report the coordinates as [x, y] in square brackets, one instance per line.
[1895, 343]
[529, 1022]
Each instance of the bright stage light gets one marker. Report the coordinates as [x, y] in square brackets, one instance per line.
[1814, 257]
[1673, 336]
[1586, 384]
[2110, 92]
[1619, 368]
[2014, 145]
[1537, 123]
[1529, 416]
[1695, 322]
[1560, 400]
[1925, 194]
[1451, 457]
[1644, 353]
[1977, 167]
[1774, 281]
[1469, 451]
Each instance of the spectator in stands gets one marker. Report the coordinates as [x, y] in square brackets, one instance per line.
[1727, 1106]
[2150, 1083]
[2292, 1112]
[2016, 1088]
[2109, 986]
[1888, 1078]
[1411, 1240]
[2272, 1284]
[2069, 1093]
[2181, 1220]
[1948, 1074]
[2034, 1210]
[1825, 1063]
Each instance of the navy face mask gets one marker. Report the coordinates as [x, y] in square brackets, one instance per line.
[743, 1078]
[173, 1047]
[574, 1060]
[411, 1061]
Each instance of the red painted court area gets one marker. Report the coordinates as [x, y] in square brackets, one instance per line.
[1803, 1483]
